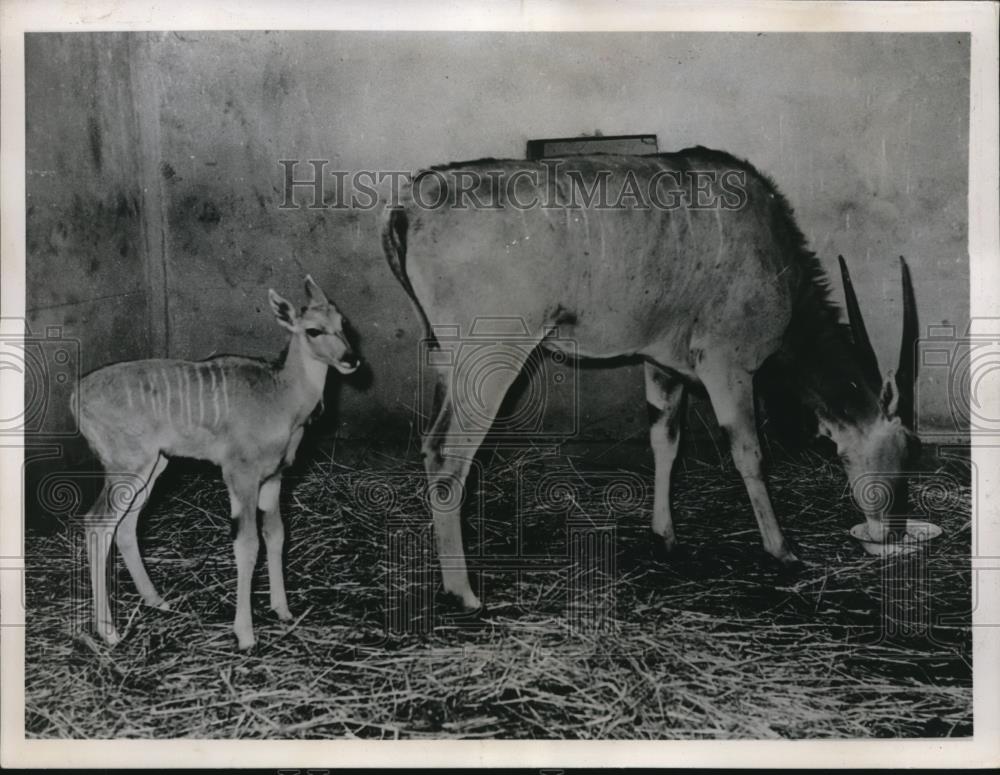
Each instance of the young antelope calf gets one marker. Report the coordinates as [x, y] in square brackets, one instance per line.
[243, 414]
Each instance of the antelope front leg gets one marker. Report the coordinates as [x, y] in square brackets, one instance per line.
[731, 392]
[274, 539]
[243, 496]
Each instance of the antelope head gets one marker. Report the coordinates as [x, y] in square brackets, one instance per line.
[879, 452]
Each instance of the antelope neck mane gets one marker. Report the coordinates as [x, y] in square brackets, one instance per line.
[818, 358]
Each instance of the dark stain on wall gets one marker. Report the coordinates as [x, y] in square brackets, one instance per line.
[94, 138]
[206, 212]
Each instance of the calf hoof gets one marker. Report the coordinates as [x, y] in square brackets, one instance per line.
[245, 640]
[107, 632]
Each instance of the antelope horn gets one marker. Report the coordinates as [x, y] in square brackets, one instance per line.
[862, 344]
[906, 373]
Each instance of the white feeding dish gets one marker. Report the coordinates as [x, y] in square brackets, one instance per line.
[917, 532]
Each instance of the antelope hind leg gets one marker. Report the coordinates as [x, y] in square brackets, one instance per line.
[665, 396]
[448, 451]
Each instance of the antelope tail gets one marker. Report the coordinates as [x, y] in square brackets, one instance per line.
[394, 245]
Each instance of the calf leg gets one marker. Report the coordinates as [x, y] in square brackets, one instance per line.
[665, 395]
[123, 493]
[274, 539]
[99, 529]
[243, 496]
[730, 390]
[128, 543]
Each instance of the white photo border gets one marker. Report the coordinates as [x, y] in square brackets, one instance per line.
[978, 18]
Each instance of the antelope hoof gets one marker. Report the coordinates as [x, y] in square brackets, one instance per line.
[789, 560]
[283, 613]
[112, 638]
[667, 549]
[160, 604]
[787, 563]
[462, 603]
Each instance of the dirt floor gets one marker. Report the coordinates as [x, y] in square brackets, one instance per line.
[589, 633]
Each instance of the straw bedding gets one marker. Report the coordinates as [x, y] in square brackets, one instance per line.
[589, 633]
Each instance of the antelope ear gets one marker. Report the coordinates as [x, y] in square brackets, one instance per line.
[827, 429]
[824, 426]
[889, 397]
[316, 296]
[284, 312]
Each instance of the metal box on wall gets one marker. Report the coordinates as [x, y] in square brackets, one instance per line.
[576, 146]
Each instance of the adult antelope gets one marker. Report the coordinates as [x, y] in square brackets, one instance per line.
[704, 294]
[243, 414]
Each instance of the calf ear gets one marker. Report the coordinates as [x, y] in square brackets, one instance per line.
[284, 312]
[316, 296]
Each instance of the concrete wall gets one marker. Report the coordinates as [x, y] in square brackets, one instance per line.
[88, 258]
[154, 182]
